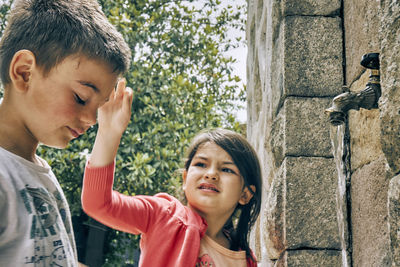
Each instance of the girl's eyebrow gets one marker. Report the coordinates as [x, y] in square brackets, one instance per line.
[224, 162]
[200, 157]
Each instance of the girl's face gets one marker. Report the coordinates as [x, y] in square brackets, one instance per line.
[213, 184]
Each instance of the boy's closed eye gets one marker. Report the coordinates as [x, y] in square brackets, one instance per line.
[79, 100]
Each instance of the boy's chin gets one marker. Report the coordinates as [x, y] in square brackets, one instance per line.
[60, 145]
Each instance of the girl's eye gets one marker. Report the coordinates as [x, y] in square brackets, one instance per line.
[79, 100]
[228, 170]
[199, 164]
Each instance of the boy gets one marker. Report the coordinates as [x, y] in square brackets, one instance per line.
[59, 61]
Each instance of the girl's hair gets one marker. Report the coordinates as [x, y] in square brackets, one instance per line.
[245, 158]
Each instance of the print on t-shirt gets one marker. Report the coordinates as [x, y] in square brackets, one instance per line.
[45, 226]
[205, 261]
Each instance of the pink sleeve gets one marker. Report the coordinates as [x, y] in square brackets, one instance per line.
[125, 213]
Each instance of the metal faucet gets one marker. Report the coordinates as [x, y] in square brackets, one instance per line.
[367, 98]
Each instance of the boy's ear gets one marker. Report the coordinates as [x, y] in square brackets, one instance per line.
[247, 195]
[21, 67]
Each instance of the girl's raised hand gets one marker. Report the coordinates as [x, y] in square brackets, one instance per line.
[113, 118]
[115, 114]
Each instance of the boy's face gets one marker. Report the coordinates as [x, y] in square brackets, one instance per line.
[62, 105]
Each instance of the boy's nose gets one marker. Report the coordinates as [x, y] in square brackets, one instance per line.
[89, 116]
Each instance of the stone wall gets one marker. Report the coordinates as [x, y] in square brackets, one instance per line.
[331, 194]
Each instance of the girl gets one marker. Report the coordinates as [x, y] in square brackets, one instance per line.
[222, 186]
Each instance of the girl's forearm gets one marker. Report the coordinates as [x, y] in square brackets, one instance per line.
[104, 150]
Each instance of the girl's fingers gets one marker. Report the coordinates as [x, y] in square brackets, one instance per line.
[128, 97]
[111, 96]
[120, 88]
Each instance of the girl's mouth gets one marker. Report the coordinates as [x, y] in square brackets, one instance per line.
[210, 187]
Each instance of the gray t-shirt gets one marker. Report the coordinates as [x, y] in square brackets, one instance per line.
[35, 221]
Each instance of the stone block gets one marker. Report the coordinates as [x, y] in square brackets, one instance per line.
[369, 215]
[302, 258]
[301, 206]
[394, 219]
[390, 80]
[301, 129]
[361, 30]
[312, 56]
[306, 127]
[311, 7]
[365, 134]
[310, 212]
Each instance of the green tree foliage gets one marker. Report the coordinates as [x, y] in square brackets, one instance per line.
[182, 83]
[4, 8]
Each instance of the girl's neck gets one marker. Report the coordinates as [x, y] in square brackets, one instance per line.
[215, 231]
[220, 238]
[216, 223]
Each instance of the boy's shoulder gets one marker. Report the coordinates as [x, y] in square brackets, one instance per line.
[9, 160]
[19, 173]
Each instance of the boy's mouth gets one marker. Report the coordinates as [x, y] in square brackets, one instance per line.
[75, 133]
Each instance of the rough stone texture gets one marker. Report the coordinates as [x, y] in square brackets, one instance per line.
[306, 127]
[312, 56]
[301, 129]
[274, 224]
[310, 212]
[294, 67]
[365, 134]
[394, 218]
[302, 258]
[361, 34]
[369, 194]
[301, 209]
[270, 117]
[262, 23]
[390, 81]
[311, 7]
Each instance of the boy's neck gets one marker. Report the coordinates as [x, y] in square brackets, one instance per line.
[13, 138]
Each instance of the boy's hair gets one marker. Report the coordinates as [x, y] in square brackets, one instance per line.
[55, 29]
[245, 158]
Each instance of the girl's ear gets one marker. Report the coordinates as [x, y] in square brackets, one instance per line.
[184, 175]
[247, 195]
[21, 67]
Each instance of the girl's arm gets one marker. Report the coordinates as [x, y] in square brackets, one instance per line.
[98, 199]
[126, 213]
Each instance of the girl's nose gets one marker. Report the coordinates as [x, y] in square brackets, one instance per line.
[212, 174]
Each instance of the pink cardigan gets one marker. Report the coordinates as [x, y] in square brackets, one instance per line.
[171, 232]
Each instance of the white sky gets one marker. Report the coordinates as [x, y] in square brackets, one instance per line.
[240, 54]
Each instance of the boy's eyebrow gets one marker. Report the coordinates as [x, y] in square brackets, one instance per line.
[88, 84]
